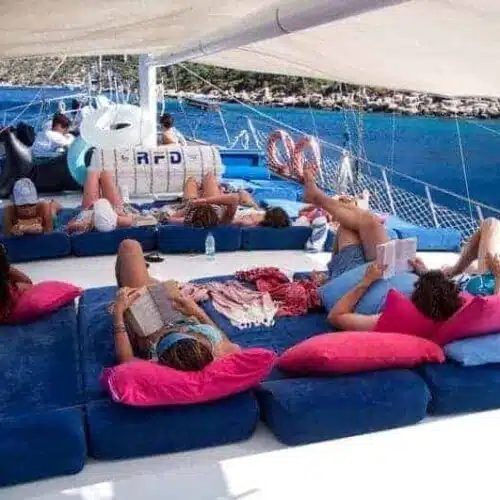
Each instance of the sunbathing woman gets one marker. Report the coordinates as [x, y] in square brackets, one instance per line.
[13, 283]
[102, 206]
[190, 340]
[209, 207]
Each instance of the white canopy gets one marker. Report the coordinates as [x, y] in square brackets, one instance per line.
[449, 47]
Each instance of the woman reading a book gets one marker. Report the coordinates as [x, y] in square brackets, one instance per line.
[208, 206]
[188, 339]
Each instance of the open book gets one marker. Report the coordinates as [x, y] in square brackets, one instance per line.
[395, 254]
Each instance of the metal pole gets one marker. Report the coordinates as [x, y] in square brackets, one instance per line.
[388, 192]
[479, 213]
[221, 116]
[431, 204]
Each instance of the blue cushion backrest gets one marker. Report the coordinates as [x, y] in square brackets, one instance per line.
[96, 243]
[373, 300]
[475, 351]
[36, 247]
[177, 238]
[443, 239]
[290, 238]
[246, 172]
[39, 363]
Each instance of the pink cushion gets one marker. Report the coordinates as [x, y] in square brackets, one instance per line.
[479, 316]
[401, 316]
[351, 352]
[145, 383]
[42, 299]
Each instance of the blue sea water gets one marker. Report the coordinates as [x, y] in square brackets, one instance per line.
[421, 147]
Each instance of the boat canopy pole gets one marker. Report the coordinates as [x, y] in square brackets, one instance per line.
[147, 95]
[271, 23]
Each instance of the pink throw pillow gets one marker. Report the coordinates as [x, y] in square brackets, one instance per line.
[144, 383]
[42, 299]
[479, 316]
[352, 352]
[401, 316]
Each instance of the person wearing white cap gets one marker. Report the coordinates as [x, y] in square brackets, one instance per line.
[27, 214]
[102, 206]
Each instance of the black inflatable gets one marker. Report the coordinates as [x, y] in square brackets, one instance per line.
[50, 176]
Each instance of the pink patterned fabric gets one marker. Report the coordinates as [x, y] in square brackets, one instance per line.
[295, 298]
[145, 383]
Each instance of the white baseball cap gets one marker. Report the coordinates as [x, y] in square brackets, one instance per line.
[24, 192]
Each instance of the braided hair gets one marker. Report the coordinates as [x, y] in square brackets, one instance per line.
[203, 216]
[188, 355]
[436, 296]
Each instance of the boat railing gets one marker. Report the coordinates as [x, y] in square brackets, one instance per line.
[396, 193]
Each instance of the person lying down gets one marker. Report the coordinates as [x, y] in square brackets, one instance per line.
[188, 340]
[208, 206]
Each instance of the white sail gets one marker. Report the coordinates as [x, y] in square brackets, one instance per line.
[448, 47]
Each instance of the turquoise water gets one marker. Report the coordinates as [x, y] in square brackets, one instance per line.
[425, 148]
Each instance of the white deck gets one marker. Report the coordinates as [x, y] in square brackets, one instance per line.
[453, 457]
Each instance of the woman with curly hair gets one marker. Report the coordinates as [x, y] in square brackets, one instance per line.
[207, 206]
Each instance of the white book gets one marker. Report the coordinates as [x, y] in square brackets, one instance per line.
[395, 254]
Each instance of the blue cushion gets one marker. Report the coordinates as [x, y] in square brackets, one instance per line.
[475, 351]
[96, 243]
[246, 172]
[242, 158]
[438, 239]
[117, 431]
[292, 208]
[290, 238]
[307, 410]
[373, 300]
[459, 389]
[176, 238]
[37, 247]
[41, 424]
[41, 445]
[395, 222]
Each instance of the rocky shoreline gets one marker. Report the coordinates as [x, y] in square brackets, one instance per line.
[402, 103]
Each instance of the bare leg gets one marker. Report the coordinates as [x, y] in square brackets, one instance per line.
[191, 189]
[91, 191]
[110, 191]
[131, 270]
[369, 228]
[489, 242]
[210, 186]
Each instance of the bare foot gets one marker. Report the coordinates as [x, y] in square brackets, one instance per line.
[310, 188]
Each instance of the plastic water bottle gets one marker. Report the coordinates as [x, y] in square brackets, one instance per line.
[210, 246]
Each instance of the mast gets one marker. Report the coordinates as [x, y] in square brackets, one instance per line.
[147, 95]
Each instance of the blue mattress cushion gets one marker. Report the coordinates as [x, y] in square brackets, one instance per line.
[462, 389]
[177, 238]
[116, 431]
[475, 351]
[96, 243]
[37, 247]
[307, 410]
[290, 238]
[246, 171]
[373, 300]
[41, 420]
[438, 239]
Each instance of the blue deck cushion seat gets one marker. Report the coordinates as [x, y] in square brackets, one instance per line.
[373, 300]
[306, 410]
[290, 238]
[116, 431]
[36, 247]
[177, 238]
[462, 389]
[433, 239]
[247, 172]
[41, 417]
[96, 243]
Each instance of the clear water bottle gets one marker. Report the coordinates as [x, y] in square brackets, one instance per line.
[210, 246]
